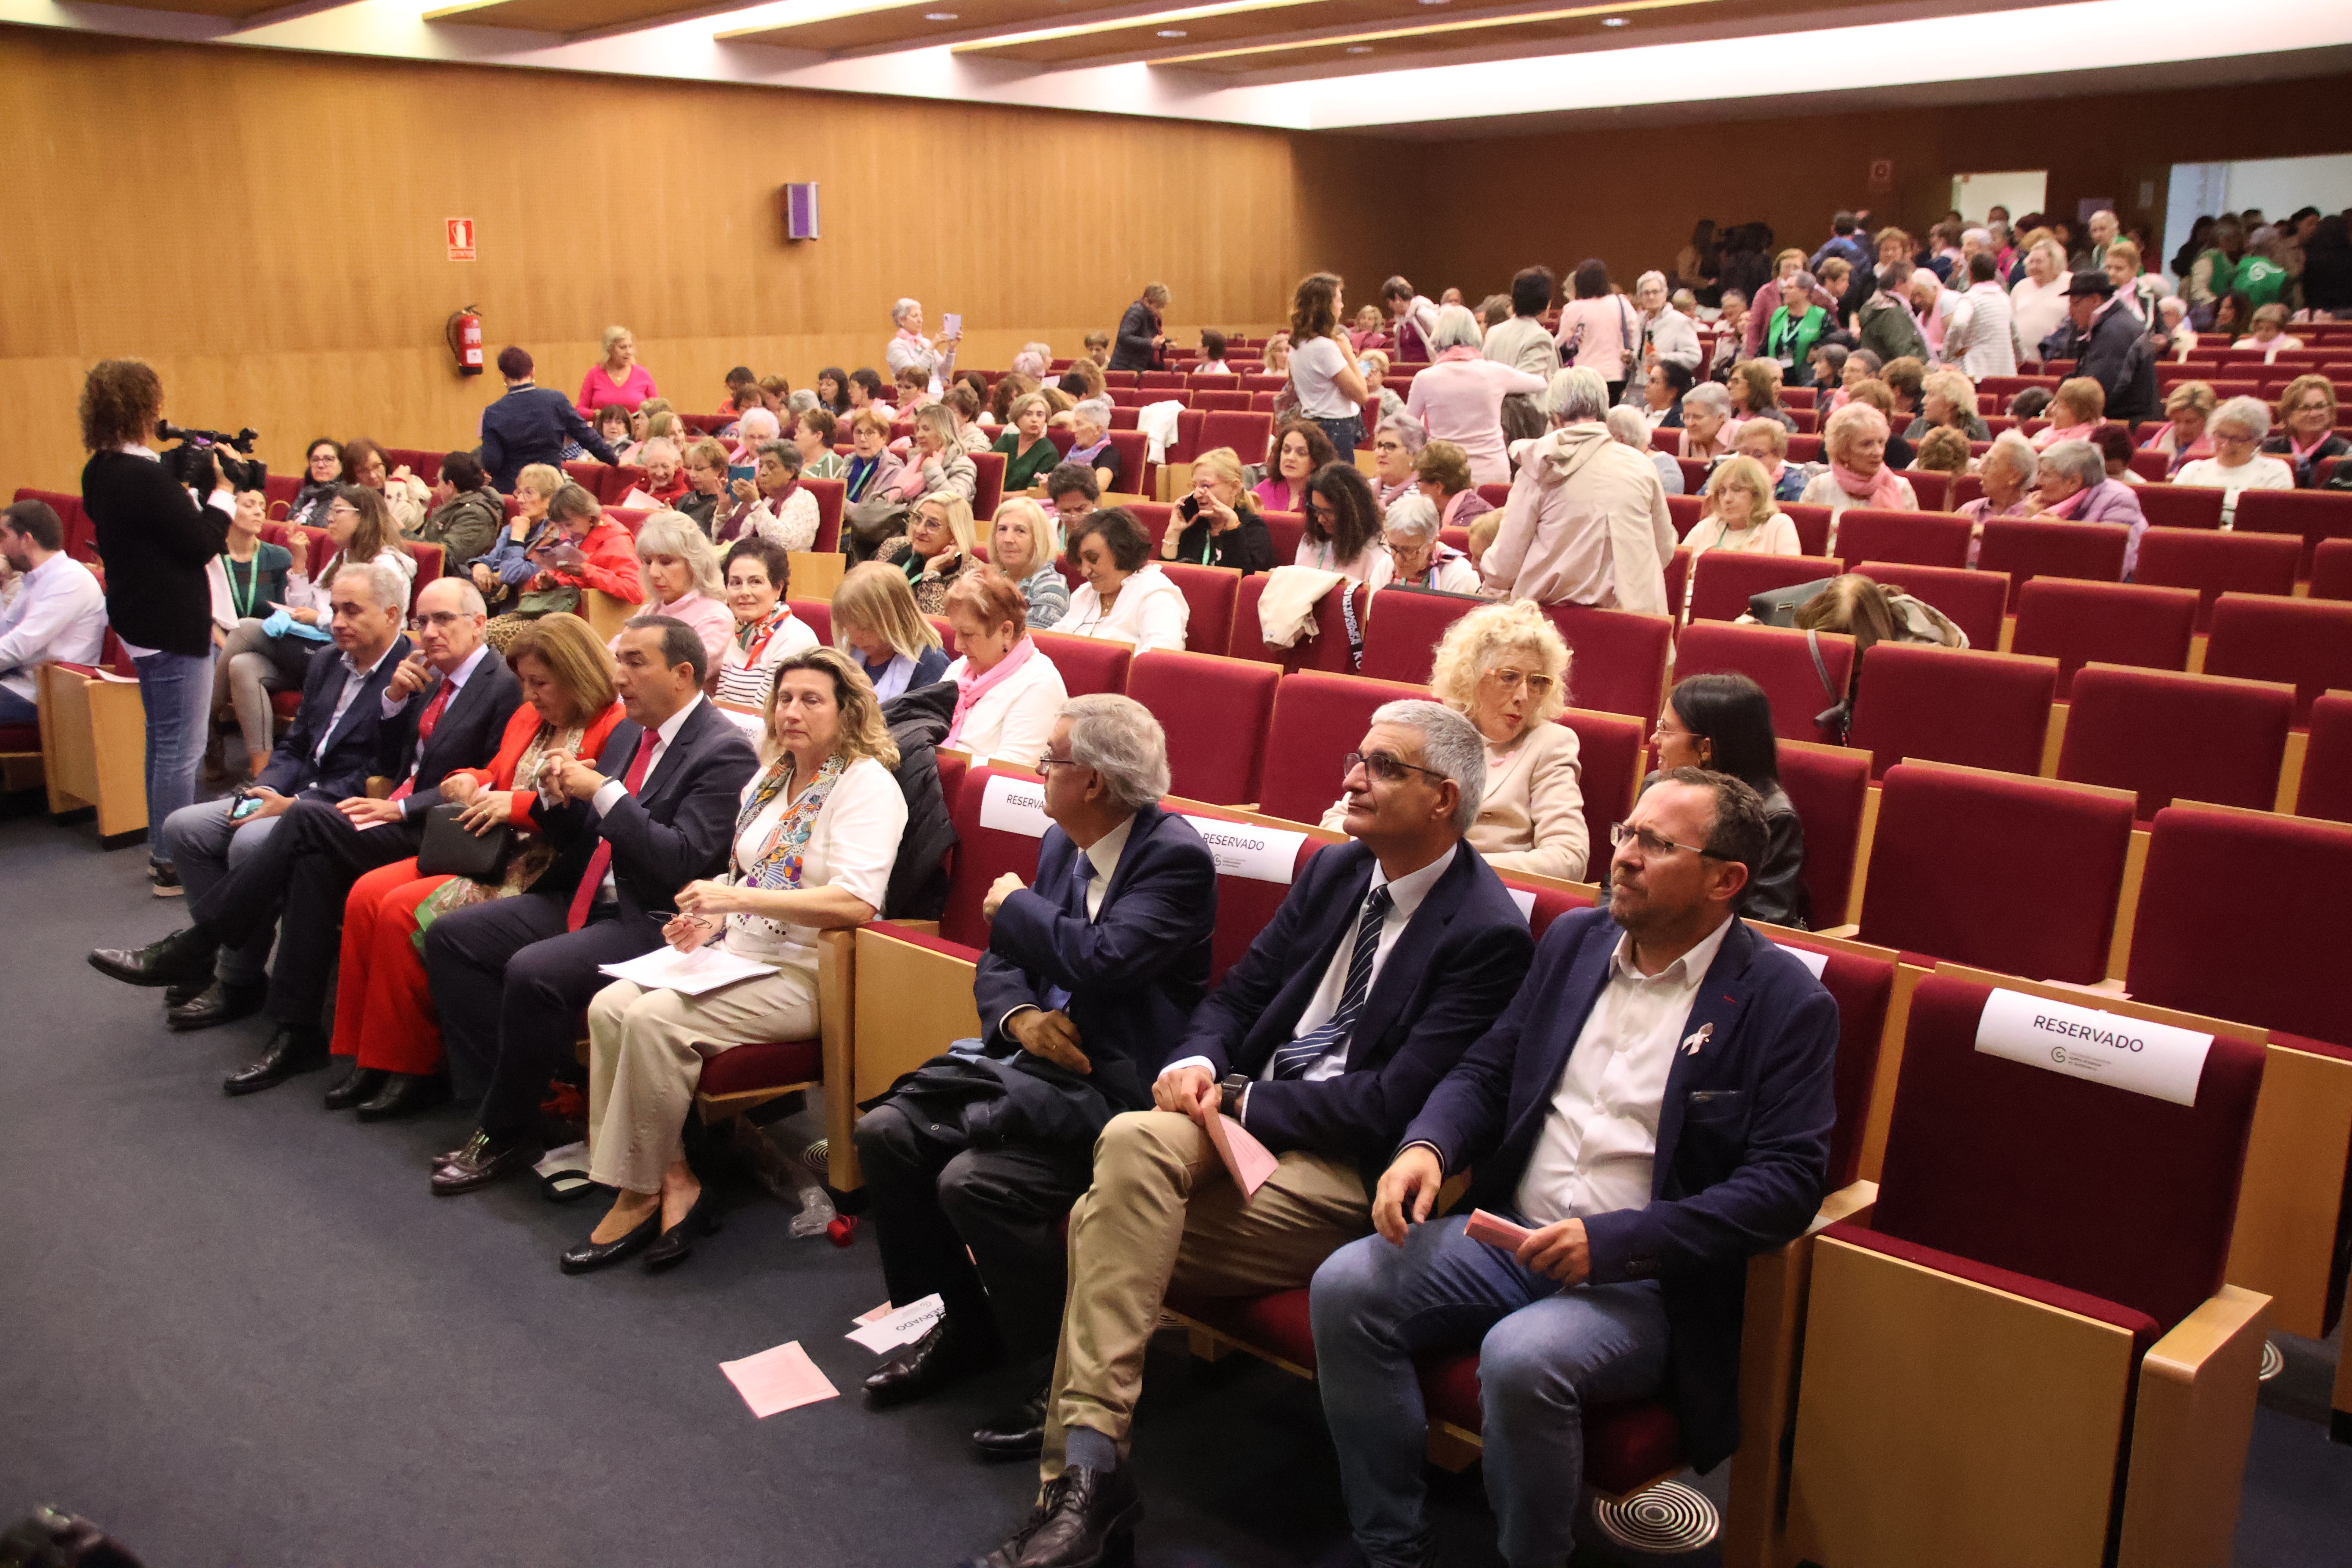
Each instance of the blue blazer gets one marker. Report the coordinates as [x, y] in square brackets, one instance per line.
[530, 424]
[1453, 969]
[342, 770]
[1743, 1140]
[1134, 973]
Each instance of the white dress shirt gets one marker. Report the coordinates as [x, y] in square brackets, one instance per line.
[1595, 1152]
[609, 793]
[60, 612]
[354, 677]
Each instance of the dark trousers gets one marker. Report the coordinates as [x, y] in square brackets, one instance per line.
[298, 878]
[932, 1194]
[510, 984]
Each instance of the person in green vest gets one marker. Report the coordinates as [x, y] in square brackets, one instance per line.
[2262, 276]
[1788, 338]
[2216, 271]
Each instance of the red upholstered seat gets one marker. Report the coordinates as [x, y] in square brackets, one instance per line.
[1327, 649]
[1087, 664]
[2331, 570]
[1694, 473]
[1212, 592]
[1669, 441]
[2180, 506]
[1975, 601]
[2326, 789]
[2217, 564]
[1247, 434]
[1285, 528]
[1497, 496]
[20, 739]
[2018, 875]
[2079, 622]
[1683, 513]
[2278, 960]
[818, 613]
[1617, 660]
[2026, 548]
[988, 487]
[2167, 737]
[982, 854]
[1545, 904]
[1804, 449]
[424, 464]
[1906, 537]
[1210, 381]
[1953, 705]
[1778, 658]
[1215, 711]
[1722, 581]
[1829, 787]
[1813, 525]
[1134, 470]
[1610, 755]
[1186, 445]
[1400, 643]
[286, 704]
[775, 1065]
[1318, 718]
[2311, 515]
[2304, 642]
[82, 534]
[1979, 1143]
[1863, 986]
[1932, 488]
[629, 517]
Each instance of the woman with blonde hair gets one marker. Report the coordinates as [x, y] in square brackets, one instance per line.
[619, 379]
[815, 841]
[1856, 442]
[874, 620]
[937, 544]
[1741, 513]
[2184, 438]
[679, 574]
[501, 574]
[1505, 669]
[936, 461]
[1218, 523]
[2307, 436]
[1022, 543]
[2075, 410]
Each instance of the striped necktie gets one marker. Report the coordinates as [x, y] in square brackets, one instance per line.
[1295, 1058]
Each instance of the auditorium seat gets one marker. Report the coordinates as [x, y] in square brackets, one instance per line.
[2180, 506]
[1400, 642]
[93, 739]
[1683, 513]
[1611, 753]
[1722, 581]
[1953, 705]
[1327, 649]
[80, 534]
[1617, 658]
[2306, 643]
[1216, 711]
[1669, 441]
[988, 473]
[1287, 528]
[2077, 623]
[1694, 473]
[1781, 659]
[1318, 718]
[818, 613]
[1977, 602]
[2310, 515]
[2018, 875]
[1904, 538]
[1932, 488]
[2331, 569]
[2167, 736]
[1087, 665]
[1247, 434]
[2026, 548]
[1813, 525]
[2217, 564]
[1212, 592]
[2326, 787]
[1830, 788]
[1986, 1377]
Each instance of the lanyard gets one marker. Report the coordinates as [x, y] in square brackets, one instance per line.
[243, 604]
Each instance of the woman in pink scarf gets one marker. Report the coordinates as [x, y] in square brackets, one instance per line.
[1008, 693]
[2075, 410]
[1855, 439]
[1927, 307]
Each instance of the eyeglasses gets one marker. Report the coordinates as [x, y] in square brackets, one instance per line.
[1652, 843]
[1046, 762]
[1512, 679]
[440, 620]
[1323, 509]
[1380, 766]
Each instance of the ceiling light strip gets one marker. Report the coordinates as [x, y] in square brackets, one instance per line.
[1123, 24]
[1484, 24]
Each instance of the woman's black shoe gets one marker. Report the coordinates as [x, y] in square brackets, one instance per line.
[361, 1084]
[677, 1241]
[591, 1256]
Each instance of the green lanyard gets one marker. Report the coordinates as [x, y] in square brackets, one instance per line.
[242, 604]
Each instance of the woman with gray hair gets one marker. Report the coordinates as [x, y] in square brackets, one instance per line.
[1586, 522]
[1090, 442]
[1459, 398]
[1034, 361]
[1422, 560]
[2037, 304]
[1395, 445]
[2237, 430]
[2072, 487]
[2007, 471]
[909, 350]
[1710, 429]
[1628, 428]
[1668, 337]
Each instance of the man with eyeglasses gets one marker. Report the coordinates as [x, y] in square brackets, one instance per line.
[428, 708]
[1390, 955]
[1655, 1108]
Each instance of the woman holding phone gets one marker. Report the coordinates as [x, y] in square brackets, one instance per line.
[1218, 523]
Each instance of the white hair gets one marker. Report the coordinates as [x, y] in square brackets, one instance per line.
[1981, 236]
[2018, 453]
[387, 584]
[658, 444]
[1412, 432]
[1117, 737]
[1450, 744]
[1627, 427]
[1411, 513]
[757, 425]
[1456, 327]
[2172, 306]
[1576, 396]
[1709, 396]
[1646, 279]
[1095, 411]
[2076, 460]
[2247, 413]
[898, 311]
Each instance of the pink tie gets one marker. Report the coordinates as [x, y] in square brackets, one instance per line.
[583, 899]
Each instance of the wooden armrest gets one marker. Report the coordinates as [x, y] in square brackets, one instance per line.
[2190, 1426]
[2204, 1333]
[1847, 931]
[836, 957]
[1850, 1203]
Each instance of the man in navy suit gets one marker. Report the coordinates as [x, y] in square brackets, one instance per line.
[1087, 979]
[656, 812]
[1390, 956]
[1656, 1107]
[530, 424]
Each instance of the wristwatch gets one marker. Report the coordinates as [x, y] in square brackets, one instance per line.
[1229, 1095]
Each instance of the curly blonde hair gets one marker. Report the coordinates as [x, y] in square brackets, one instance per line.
[862, 733]
[1478, 641]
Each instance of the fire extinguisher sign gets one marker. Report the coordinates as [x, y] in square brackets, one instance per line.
[461, 238]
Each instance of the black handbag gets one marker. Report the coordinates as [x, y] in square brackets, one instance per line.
[451, 851]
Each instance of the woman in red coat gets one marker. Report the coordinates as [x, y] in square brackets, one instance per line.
[384, 1003]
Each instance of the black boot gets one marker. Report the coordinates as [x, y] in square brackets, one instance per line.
[184, 956]
[217, 1004]
[404, 1094]
[1085, 1518]
[291, 1051]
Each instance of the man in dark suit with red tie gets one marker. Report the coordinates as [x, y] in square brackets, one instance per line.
[654, 813]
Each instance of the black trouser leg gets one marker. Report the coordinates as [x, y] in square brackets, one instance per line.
[902, 1154]
[1009, 1204]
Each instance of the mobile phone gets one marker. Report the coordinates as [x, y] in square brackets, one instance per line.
[743, 471]
[245, 806]
[951, 325]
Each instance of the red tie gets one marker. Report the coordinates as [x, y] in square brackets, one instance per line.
[584, 898]
[425, 722]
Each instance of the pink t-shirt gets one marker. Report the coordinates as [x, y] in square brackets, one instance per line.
[1605, 320]
[598, 390]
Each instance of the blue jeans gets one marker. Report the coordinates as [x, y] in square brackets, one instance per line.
[1345, 434]
[177, 690]
[15, 709]
[1543, 1353]
[202, 844]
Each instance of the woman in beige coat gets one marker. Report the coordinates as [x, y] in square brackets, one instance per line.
[1586, 522]
[1504, 667]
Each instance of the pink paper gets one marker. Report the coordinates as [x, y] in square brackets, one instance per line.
[778, 1379]
[1248, 1161]
[1495, 1231]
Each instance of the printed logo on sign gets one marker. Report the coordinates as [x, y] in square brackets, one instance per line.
[1245, 849]
[2155, 1059]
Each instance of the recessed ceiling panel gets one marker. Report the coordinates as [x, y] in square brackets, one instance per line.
[879, 28]
[570, 16]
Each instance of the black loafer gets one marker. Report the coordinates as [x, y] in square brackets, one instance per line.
[182, 958]
[676, 1243]
[290, 1052]
[940, 1358]
[591, 1256]
[483, 1161]
[404, 1094]
[360, 1084]
[1015, 1434]
[217, 1004]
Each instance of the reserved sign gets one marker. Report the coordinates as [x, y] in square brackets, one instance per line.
[1246, 849]
[2153, 1060]
[1014, 806]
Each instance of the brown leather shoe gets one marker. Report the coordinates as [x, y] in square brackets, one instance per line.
[483, 1161]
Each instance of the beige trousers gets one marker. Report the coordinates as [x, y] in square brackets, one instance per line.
[1163, 1213]
[645, 1051]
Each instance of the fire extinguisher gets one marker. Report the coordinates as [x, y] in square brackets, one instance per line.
[465, 330]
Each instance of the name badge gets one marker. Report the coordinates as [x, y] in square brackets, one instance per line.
[1246, 849]
[1014, 806]
[2155, 1059]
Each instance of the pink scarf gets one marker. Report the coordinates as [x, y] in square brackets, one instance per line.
[2303, 449]
[972, 686]
[2051, 436]
[1459, 353]
[2067, 509]
[1882, 489]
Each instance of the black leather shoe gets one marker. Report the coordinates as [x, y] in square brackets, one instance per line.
[1015, 1434]
[404, 1094]
[930, 1363]
[182, 993]
[1086, 1518]
[290, 1052]
[483, 1160]
[591, 1256]
[215, 1004]
[678, 1242]
[182, 958]
[361, 1084]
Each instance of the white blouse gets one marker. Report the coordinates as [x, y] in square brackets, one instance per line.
[1012, 723]
[1150, 612]
[2256, 473]
[852, 845]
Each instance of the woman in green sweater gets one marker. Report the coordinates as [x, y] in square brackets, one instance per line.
[1029, 453]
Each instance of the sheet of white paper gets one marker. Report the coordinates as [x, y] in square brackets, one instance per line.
[570, 1157]
[873, 1314]
[1526, 899]
[1014, 806]
[687, 973]
[779, 1378]
[1247, 850]
[901, 1327]
[1816, 961]
[2153, 1060]
[751, 721]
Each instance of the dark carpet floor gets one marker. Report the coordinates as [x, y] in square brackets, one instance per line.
[244, 1333]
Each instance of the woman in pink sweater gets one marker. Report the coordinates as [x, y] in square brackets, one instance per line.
[620, 379]
[1460, 396]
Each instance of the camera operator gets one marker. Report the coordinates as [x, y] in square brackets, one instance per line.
[157, 541]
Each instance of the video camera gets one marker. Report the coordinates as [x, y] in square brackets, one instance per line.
[184, 462]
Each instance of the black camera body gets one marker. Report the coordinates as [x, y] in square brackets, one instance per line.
[232, 456]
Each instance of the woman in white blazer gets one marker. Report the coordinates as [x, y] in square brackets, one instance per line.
[1007, 691]
[1125, 597]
